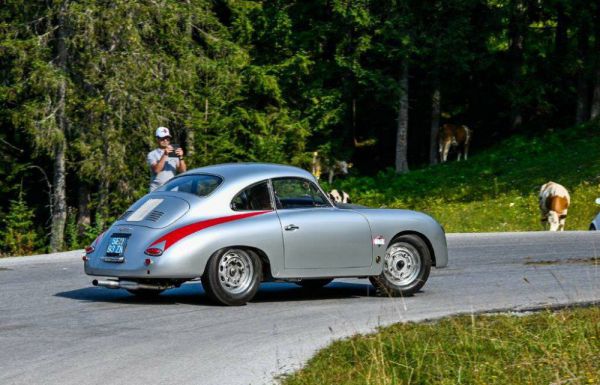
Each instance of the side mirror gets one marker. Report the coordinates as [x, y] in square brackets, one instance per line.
[597, 201]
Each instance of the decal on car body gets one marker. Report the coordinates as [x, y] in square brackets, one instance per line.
[182, 232]
[379, 241]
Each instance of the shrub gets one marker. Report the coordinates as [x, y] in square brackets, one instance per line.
[18, 236]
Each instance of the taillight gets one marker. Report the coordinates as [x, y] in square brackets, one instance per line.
[153, 251]
[91, 248]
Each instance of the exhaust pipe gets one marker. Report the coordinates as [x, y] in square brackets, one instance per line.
[110, 284]
[129, 285]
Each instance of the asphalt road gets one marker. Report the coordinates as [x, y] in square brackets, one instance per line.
[57, 329]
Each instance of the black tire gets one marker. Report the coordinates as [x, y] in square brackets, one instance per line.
[222, 270]
[592, 227]
[404, 251]
[145, 293]
[314, 284]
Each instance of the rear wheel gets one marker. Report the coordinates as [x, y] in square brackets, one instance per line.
[592, 227]
[232, 276]
[406, 267]
[314, 284]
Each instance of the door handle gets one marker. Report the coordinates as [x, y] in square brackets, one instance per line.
[291, 227]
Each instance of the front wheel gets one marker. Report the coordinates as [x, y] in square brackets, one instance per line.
[232, 276]
[406, 267]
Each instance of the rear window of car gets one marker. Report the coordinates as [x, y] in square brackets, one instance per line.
[256, 197]
[200, 184]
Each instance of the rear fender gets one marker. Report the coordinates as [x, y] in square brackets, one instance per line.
[261, 233]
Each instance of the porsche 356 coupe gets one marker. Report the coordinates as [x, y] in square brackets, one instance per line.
[237, 225]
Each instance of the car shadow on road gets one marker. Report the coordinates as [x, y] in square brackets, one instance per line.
[285, 292]
[186, 294]
[193, 294]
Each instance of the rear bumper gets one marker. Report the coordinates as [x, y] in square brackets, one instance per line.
[135, 267]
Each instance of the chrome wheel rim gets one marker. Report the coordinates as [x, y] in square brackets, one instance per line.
[235, 271]
[402, 265]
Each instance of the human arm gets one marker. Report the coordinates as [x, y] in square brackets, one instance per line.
[181, 167]
[160, 165]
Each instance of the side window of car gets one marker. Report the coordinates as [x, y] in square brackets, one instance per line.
[297, 193]
[255, 197]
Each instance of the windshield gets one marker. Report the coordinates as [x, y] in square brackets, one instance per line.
[200, 185]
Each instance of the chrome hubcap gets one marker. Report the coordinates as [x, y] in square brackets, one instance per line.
[235, 271]
[401, 265]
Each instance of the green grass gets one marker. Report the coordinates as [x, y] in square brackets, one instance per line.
[543, 348]
[496, 189]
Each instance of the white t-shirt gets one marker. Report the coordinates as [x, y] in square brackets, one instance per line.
[168, 172]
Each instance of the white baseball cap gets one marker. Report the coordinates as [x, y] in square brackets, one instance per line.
[162, 132]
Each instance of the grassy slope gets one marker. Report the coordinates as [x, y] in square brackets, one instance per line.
[543, 348]
[496, 190]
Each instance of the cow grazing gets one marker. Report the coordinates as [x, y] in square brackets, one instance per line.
[332, 167]
[452, 135]
[339, 198]
[338, 167]
[554, 202]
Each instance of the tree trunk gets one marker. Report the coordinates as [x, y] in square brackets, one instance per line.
[516, 28]
[190, 138]
[353, 118]
[435, 122]
[205, 137]
[59, 200]
[104, 171]
[582, 113]
[84, 217]
[561, 39]
[402, 130]
[595, 107]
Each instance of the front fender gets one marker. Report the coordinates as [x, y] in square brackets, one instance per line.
[390, 223]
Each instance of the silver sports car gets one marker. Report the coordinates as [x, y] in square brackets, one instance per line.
[236, 225]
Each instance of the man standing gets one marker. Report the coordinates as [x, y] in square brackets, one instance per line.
[165, 161]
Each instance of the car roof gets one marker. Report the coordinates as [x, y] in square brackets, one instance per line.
[247, 173]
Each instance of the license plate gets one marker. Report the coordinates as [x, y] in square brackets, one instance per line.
[116, 247]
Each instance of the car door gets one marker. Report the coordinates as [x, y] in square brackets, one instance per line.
[317, 234]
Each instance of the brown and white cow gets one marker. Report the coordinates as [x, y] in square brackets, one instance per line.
[452, 135]
[554, 204]
[339, 198]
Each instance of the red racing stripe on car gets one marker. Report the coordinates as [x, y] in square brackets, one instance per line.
[182, 232]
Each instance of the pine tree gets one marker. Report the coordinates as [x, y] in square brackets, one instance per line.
[18, 236]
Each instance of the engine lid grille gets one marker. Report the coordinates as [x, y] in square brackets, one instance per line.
[156, 211]
[154, 216]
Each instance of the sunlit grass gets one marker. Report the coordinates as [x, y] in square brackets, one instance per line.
[496, 189]
[543, 348]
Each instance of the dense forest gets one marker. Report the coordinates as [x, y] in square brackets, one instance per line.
[84, 84]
